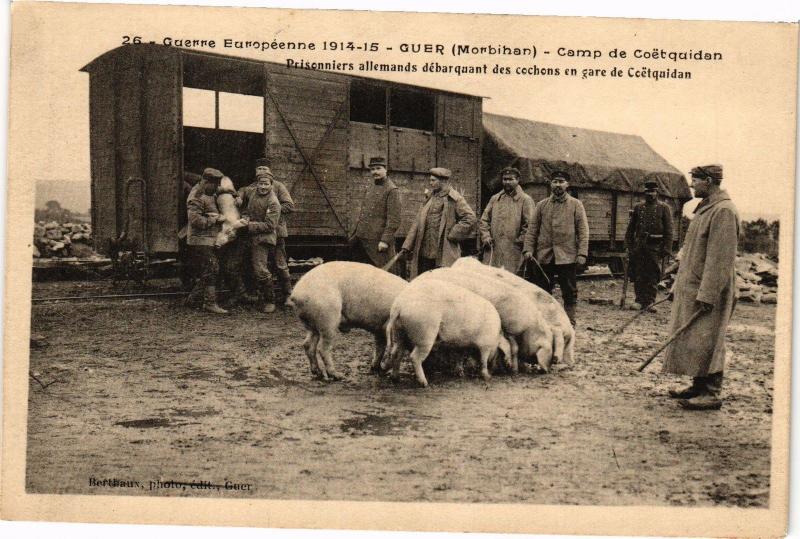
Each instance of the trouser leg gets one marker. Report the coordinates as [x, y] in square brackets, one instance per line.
[426, 264]
[568, 282]
[205, 263]
[261, 255]
[282, 270]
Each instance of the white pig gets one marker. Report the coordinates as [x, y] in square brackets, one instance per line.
[551, 309]
[427, 311]
[528, 333]
[343, 295]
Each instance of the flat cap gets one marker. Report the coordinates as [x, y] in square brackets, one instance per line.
[441, 172]
[509, 171]
[265, 174]
[708, 172]
[212, 174]
[560, 174]
[263, 162]
[377, 162]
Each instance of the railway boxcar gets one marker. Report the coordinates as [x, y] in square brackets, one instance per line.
[157, 112]
[607, 171]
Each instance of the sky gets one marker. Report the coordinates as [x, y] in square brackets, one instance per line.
[735, 111]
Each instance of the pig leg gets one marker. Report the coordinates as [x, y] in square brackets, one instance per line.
[310, 347]
[324, 359]
[380, 351]
[558, 344]
[512, 359]
[417, 356]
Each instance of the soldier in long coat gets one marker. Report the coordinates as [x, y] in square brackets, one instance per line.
[648, 240]
[706, 281]
[445, 220]
[379, 218]
[505, 221]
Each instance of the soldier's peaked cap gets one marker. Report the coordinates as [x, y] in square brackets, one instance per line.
[441, 172]
[708, 172]
[650, 185]
[212, 174]
[377, 162]
[263, 162]
[509, 171]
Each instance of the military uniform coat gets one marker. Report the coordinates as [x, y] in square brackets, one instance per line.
[202, 228]
[285, 199]
[378, 220]
[706, 274]
[559, 231]
[505, 220]
[456, 225]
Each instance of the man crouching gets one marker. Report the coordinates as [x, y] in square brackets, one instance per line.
[263, 211]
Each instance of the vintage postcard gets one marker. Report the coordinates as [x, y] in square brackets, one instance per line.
[398, 271]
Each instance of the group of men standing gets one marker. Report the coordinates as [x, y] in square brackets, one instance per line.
[260, 237]
[552, 236]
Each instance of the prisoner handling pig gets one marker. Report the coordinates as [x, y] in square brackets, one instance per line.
[343, 295]
[429, 311]
[522, 322]
[226, 202]
[551, 309]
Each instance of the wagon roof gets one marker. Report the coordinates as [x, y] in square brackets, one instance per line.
[593, 158]
[125, 51]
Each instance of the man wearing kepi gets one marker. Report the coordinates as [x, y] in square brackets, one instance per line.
[558, 238]
[505, 221]
[281, 261]
[263, 211]
[444, 220]
[205, 222]
[648, 240]
[706, 282]
[379, 217]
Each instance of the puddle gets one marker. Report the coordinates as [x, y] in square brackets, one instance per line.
[185, 412]
[377, 425]
[239, 373]
[145, 423]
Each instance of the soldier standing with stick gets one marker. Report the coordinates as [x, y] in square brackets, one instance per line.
[706, 282]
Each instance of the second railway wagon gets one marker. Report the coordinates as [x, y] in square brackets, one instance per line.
[157, 112]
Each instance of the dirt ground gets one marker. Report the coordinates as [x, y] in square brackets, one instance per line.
[144, 391]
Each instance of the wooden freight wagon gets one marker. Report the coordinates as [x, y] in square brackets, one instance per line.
[608, 172]
[157, 112]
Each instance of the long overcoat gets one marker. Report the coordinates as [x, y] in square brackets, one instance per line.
[505, 221]
[457, 224]
[707, 274]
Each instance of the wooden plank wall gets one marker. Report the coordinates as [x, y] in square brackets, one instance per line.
[129, 80]
[309, 101]
[162, 102]
[101, 141]
[597, 204]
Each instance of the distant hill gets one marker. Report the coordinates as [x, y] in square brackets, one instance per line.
[72, 195]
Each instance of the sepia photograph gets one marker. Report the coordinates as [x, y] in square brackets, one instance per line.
[452, 272]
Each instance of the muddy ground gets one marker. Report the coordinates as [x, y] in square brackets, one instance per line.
[145, 390]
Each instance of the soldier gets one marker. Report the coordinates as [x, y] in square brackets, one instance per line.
[648, 240]
[505, 221]
[443, 221]
[280, 261]
[558, 238]
[706, 282]
[379, 217]
[263, 213]
[205, 222]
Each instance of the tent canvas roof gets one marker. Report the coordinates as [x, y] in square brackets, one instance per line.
[598, 158]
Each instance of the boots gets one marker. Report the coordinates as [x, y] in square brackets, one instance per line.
[210, 301]
[286, 286]
[570, 310]
[195, 297]
[269, 297]
[241, 296]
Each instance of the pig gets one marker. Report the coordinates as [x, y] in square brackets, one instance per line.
[427, 311]
[343, 295]
[551, 309]
[522, 322]
[226, 201]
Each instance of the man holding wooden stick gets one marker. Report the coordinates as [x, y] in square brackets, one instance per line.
[706, 282]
